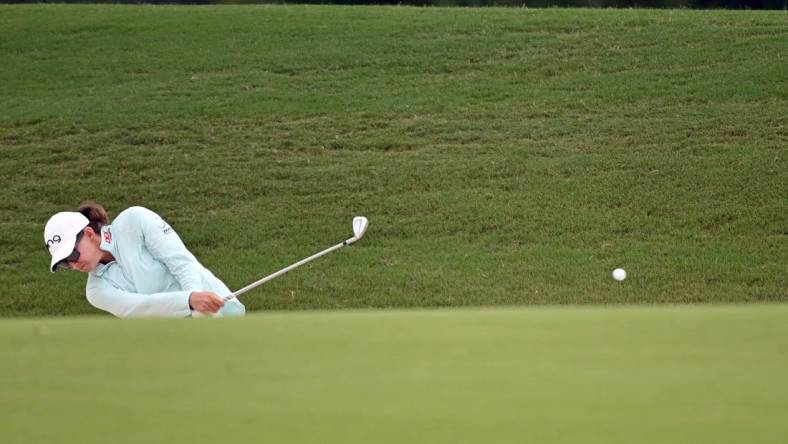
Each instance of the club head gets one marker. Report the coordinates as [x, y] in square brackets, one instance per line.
[360, 224]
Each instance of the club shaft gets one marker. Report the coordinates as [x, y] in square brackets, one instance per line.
[285, 270]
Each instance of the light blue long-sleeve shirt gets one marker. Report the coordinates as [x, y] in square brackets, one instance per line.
[153, 273]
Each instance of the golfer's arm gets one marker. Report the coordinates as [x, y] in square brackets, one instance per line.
[166, 246]
[124, 304]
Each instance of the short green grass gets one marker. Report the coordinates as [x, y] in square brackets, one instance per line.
[547, 375]
[503, 156]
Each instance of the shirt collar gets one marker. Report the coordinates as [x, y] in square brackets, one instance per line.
[108, 243]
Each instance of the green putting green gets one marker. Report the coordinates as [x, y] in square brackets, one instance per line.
[674, 374]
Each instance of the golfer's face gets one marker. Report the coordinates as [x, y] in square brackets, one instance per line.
[89, 255]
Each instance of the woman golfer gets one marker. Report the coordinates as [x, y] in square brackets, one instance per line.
[138, 266]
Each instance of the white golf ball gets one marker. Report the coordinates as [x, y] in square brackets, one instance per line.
[619, 274]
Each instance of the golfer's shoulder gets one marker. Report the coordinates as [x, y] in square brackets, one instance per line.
[134, 217]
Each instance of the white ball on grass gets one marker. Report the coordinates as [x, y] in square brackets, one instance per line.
[619, 274]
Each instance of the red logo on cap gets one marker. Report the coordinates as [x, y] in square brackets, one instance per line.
[107, 237]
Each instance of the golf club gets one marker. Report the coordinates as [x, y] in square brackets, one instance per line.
[360, 224]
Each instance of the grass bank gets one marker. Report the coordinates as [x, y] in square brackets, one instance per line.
[503, 156]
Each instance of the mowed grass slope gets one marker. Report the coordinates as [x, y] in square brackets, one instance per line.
[548, 375]
[503, 156]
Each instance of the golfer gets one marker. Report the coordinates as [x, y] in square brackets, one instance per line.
[138, 266]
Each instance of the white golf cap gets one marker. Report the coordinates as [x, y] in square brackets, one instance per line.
[60, 235]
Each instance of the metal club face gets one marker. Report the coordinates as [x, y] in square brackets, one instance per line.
[360, 224]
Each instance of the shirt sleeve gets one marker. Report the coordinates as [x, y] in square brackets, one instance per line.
[166, 246]
[124, 304]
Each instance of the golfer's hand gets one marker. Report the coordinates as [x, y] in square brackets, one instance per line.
[205, 302]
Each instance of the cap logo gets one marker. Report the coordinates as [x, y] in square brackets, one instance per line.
[107, 236]
[55, 238]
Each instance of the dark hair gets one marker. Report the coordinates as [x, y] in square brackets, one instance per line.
[95, 213]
